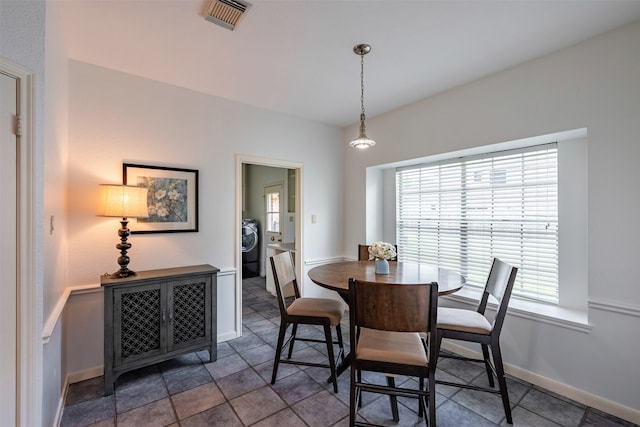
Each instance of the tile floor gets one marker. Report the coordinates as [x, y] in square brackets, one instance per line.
[235, 390]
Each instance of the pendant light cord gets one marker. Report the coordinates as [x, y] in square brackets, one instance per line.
[362, 86]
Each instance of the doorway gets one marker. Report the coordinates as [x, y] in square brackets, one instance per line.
[8, 248]
[253, 177]
[21, 332]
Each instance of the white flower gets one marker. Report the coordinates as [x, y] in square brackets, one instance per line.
[162, 211]
[160, 194]
[382, 250]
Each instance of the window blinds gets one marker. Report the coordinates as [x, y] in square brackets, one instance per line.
[461, 213]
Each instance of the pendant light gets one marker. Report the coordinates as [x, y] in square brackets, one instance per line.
[363, 141]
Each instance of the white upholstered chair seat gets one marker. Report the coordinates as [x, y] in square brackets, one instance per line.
[392, 347]
[458, 319]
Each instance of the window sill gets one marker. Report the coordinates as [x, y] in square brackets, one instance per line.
[553, 315]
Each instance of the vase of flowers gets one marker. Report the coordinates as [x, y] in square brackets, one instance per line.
[382, 252]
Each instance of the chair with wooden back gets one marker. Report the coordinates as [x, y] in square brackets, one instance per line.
[325, 312]
[385, 325]
[473, 326]
[363, 255]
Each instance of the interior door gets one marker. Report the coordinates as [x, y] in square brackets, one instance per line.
[8, 249]
[273, 213]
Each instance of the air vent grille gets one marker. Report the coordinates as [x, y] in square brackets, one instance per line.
[226, 13]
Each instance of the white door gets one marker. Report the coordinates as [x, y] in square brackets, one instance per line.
[8, 249]
[273, 214]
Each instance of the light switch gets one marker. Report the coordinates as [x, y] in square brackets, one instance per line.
[313, 219]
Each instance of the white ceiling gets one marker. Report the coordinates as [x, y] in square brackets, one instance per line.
[295, 56]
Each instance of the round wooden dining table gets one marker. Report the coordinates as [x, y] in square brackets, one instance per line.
[335, 276]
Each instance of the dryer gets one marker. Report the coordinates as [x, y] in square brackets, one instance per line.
[250, 248]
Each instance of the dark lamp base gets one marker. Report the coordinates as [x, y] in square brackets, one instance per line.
[123, 259]
[121, 274]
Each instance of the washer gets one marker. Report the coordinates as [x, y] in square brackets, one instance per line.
[250, 248]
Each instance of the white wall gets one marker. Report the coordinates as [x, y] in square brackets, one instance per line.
[593, 85]
[116, 117]
[54, 218]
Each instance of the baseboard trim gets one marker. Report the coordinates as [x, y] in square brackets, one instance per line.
[71, 378]
[60, 410]
[85, 374]
[581, 396]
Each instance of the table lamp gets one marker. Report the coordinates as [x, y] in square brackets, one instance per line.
[122, 201]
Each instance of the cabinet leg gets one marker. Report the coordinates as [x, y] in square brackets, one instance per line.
[108, 384]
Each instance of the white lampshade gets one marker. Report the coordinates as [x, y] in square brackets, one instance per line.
[122, 201]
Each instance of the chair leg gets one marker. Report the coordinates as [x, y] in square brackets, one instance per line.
[439, 336]
[487, 364]
[421, 409]
[294, 331]
[332, 360]
[422, 402]
[393, 400]
[340, 343]
[432, 400]
[276, 361]
[358, 391]
[353, 404]
[502, 382]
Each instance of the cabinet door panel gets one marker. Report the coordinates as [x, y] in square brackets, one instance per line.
[189, 313]
[137, 322]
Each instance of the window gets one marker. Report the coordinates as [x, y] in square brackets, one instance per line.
[273, 211]
[460, 213]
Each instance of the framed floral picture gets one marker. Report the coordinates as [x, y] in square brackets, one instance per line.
[172, 198]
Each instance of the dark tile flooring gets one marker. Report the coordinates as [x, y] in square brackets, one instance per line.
[235, 390]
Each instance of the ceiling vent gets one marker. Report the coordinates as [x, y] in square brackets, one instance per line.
[226, 13]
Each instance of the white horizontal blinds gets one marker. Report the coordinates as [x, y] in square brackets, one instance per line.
[463, 212]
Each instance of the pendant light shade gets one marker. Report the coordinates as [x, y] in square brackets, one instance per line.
[362, 141]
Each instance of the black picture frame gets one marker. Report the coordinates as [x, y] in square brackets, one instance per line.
[172, 199]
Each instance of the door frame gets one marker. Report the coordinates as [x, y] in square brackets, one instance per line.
[299, 226]
[29, 328]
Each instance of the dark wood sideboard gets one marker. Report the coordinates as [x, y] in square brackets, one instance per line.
[158, 315]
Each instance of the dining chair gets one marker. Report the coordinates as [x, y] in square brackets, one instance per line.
[385, 325]
[473, 326]
[363, 253]
[324, 312]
